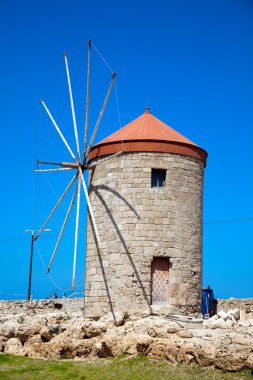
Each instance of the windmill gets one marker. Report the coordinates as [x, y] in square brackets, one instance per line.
[78, 164]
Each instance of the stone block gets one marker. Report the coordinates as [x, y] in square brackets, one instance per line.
[249, 316]
[185, 334]
[223, 315]
[233, 319]
[243, 315]
[213, 318]
[229, 323]
[244, 323]
[235, 313]
[219, 323]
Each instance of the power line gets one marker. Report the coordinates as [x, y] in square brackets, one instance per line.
[13, 238]
[212, 222]
[27, 237]
[230, 221]
[50, 277]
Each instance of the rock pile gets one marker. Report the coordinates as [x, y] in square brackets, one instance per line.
[223, 340]
[234, 317]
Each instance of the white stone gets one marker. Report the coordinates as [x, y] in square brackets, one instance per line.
[8, 329]
[229, 323]
[244, 323]
[249, 316]
[243, 315]
[219, 323]
[111, 319]
[13, 346]
[242, 339]
[223, 315]
[235, 313]
[213, 318]
[233, 319]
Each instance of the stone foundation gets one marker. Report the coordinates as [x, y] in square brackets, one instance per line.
[67, 305]
[76, 305]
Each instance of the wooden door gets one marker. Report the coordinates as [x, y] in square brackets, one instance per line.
[159, 280]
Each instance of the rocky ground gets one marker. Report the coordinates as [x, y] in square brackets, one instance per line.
[59, 331]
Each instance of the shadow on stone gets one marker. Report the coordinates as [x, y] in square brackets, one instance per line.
[102, 270]
[95, 189]
[114, 192]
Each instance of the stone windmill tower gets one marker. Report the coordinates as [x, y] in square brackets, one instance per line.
[147, 202]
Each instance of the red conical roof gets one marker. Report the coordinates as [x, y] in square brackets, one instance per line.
[147, 134]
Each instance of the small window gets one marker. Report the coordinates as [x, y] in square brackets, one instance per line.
[158, 177]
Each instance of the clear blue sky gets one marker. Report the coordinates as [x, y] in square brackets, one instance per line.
[190, 61]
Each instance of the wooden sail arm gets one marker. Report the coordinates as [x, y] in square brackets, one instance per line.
[69, 165]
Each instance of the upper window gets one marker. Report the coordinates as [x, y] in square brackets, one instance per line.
[158, 177]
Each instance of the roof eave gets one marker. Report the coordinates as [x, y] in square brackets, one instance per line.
[161, 146]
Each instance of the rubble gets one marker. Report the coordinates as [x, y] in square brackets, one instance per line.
[235, 313]
[229, 319]
[224, 340]
[223, 315]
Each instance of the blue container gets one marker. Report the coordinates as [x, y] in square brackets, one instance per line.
[208, 302]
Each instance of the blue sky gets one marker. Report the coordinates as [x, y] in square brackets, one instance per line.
[190, 61]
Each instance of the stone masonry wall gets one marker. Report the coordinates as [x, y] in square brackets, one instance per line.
[75, 306]
[68, 305]
[245, 304]
[137, 223]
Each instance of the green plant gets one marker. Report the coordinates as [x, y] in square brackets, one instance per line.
[21, 319]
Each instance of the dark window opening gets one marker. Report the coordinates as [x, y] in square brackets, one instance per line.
[158, 177]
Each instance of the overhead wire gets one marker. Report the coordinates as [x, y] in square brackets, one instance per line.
[77, 47]
[40, 208]
[115, 85]
[117, 103]
[61, 204]
[230, 221]
[50, 276]
[15, 238]
[103, 58]
[34, 193]
[28, 237]
[51, 79]
[74, 293]
[211, 222]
